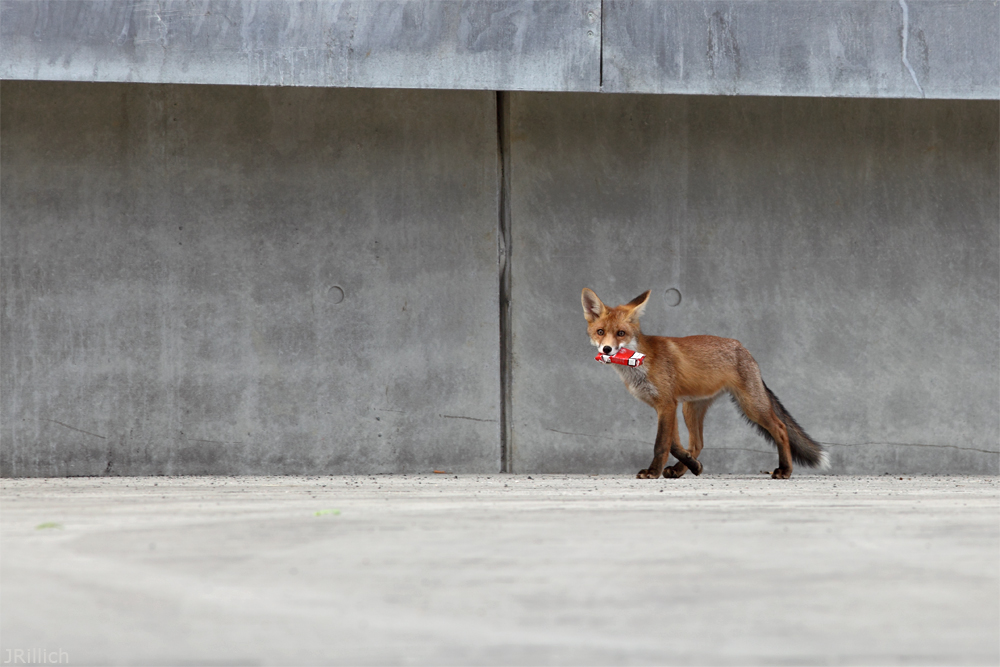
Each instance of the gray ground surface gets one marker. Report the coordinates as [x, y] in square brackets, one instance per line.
[503, 570]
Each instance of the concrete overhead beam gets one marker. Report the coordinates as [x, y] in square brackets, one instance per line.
[520, 45]
[907, 48]
[903, 48]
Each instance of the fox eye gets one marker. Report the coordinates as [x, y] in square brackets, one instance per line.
[621, 333]
[600, 332]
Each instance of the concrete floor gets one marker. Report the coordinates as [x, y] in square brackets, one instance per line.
[501, 569]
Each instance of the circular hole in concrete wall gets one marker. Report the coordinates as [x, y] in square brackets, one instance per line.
[672, 297]
[336, 294]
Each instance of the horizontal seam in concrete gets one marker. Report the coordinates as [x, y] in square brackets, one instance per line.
[646, 442]
[214, 442]
[908, 444]
[590, 435]
[833, 444]
[73, 428]
[473, 419]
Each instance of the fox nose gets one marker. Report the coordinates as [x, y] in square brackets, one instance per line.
[606, 349]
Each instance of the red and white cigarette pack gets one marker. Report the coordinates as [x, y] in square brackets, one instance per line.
[624, 357]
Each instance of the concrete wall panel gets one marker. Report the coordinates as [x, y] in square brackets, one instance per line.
[909, 48]
[211, 279]
[521, 45]
[850, 245]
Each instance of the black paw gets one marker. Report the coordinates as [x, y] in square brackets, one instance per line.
[673, 472]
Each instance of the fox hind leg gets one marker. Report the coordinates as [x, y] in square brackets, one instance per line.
[777, 429]
[753, 399]
[757, 407]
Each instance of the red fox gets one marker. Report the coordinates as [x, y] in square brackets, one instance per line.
[694, 370]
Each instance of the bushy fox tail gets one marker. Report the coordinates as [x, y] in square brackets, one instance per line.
[805, 450]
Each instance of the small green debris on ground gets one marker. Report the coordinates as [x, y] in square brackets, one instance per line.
[325, 512]
[48, 524]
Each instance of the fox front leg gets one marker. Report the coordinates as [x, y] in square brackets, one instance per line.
[668, 442]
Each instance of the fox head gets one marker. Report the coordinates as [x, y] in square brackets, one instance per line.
[611, 329]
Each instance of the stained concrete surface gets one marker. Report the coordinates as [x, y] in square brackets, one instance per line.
[846, 48]
[503, 569]
[515, 45]
[852, 246]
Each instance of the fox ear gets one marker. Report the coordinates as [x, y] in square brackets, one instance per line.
[638, 304]
[593, 307]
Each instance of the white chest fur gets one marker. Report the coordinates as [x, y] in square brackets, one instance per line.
[637, 382]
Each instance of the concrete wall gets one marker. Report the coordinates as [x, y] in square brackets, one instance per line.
[849, 48]
[173, 261]
[850, 245]
[212, 279]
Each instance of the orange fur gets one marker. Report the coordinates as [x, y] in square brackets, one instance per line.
[694, 370]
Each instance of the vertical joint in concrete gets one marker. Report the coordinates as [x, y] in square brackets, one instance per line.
[600, 65]
[503, 239]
